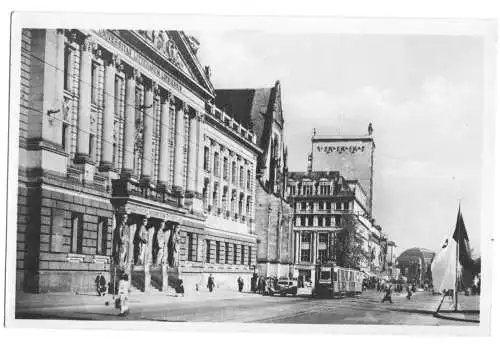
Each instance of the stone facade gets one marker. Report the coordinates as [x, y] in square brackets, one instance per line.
[260, 110]
[113, 127]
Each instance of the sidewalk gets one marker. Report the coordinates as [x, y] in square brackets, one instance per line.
[28, 302]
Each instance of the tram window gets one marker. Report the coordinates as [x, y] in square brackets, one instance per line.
[334, 276]
[324, 275]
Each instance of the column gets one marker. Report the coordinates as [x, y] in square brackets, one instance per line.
[108, 115]
[201, 152]
[164, 150]
[82, 146]
[147, 154]
[129, 126]
[191, 188]
[181, 108]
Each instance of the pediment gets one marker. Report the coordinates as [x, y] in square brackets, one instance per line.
[180, 50]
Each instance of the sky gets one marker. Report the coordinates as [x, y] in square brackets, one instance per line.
[423, 94]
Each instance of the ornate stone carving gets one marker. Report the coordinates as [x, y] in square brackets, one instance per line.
[160, 246]
[137, 76]
[87, 44]
[121, 242]
[66, 107]
[173, 246]
[140, 243]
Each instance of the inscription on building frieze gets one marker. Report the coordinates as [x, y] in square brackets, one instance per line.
[138, 58]
[340, 149]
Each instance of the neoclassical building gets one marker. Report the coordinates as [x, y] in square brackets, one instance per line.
[126, 165]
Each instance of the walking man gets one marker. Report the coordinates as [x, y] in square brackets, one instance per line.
[387, 296]
[122, 300]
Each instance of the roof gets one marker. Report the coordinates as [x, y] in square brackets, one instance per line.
[413, 253]
[253, 109]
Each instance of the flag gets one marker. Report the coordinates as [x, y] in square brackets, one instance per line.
[460, 236]
[443, 266]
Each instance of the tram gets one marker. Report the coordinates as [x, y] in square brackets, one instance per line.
[334, 281]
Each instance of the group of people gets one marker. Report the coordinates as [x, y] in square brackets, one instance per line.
[262, 285]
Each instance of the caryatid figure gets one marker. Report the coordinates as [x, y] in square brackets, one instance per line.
[174, 246]
[141, 242]
[121, 242]
[160, 245]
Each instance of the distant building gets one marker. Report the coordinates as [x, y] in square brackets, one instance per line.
[415, 264]
[351, 156]
[337, 184]
[260, 110]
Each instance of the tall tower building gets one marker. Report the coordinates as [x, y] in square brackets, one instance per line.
[350, 155]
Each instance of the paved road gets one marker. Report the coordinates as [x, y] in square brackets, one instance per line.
[366, 309]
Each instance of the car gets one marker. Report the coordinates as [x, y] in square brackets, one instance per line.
[285, 287]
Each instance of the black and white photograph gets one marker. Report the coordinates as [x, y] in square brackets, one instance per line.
[304, 172]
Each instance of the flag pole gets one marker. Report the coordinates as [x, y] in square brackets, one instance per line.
[456, 261]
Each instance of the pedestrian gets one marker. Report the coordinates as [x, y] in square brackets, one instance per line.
[211, 283]
[100, 283]
[179, 289]
[387, 296]
[123, 290]
[408, 291]
[240, 284]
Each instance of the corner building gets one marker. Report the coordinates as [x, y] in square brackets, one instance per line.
[118, 150]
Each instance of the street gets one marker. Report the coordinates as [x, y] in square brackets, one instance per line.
[252, 308]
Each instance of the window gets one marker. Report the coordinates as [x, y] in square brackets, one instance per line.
[328, 221]
[118, 94]
[115, 154]
[302, 221]
[322, 255]
[76, 233]
[242, 177]
[303, 206]
[324, 190]
[311, 205]
[190, 245]
[233, 173]
[215, 196]
[249, 255]
[306, 237]
[206, 158]
[328, 205]
[309, 221]
[225, 169]
[337, 220]
[249, 200]
[235, 255]
[320, 221]
[249, 179]
[102, 228]
[93, 83]
[216, 164]
[67, 67]
[226, 252]
[308, 190]
[64, 136]
[207, 251]
[240, 206]
[323, 238]
[92, 147]
[321, 205]
[242, 254]
[217, 252]
[305, 255]
[338, 205]
[292, 190]
[346, 205]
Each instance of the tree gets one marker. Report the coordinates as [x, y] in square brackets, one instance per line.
[349, 245]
